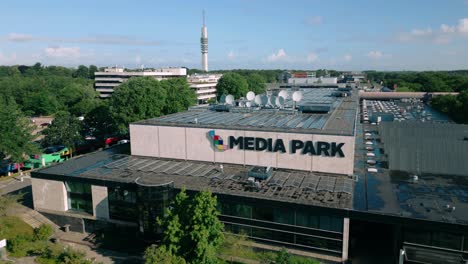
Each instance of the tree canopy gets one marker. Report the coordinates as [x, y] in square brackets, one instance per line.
[64, 130]
[192, 229]
[15, 130]
[256, 83]
[232, 83]
[137, 99]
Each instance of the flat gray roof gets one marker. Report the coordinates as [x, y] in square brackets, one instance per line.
[340, 120]
[319, 189]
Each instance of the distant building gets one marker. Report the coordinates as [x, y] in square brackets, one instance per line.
[104, 82]
[204, 86]
[313, 80]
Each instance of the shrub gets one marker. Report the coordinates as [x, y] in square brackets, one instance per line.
[43, 232]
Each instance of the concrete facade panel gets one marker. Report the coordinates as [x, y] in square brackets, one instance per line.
[199, 145]
[49, 195]
[261, 158]
[340, 165]
[234, 155]
[100, 202]
[172, 142]
[297, 160]
[144, 140]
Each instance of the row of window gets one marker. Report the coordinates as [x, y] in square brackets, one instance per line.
[282, 215]
[436, 239]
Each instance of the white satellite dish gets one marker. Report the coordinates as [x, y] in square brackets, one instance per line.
[258, 99]
[230, 99]
[279, 101]
[264, 99]
[222, 99]
[272, 100]
[241, 104]
[297, 96]
[250, 96]
[248, 104]
[284, 94]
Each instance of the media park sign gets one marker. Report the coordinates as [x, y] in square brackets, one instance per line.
[315, 148]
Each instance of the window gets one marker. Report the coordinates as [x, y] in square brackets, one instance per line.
[446, 240]
[417, 236]
[122, 204]
[275, 215]
[79, 197]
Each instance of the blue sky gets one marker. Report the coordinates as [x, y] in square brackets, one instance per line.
[308, 34]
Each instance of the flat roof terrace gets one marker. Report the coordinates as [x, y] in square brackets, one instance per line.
[339, 121]
[318, 189]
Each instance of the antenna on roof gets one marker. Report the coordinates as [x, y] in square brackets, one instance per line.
[284, 94]
[222, 99]
[230, 99]
[297, 96]
[279, 101]
[258, 99]
[248, 104]
[250, 96]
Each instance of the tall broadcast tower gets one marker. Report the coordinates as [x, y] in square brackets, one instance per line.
[204, 45]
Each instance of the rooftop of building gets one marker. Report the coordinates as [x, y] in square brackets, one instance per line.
[318, 189]
[434, 150]
[329, 115]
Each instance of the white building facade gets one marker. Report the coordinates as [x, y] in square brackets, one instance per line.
[204, 86]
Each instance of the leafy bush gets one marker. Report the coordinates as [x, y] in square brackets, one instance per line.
[19, 245]
[43, 232]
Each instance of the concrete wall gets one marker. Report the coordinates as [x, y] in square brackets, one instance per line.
[100, 202]
[195, 144]
[49, 195]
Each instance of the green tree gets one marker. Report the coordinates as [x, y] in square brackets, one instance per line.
[283, 257]
[192, 229]
[64, 130]
[16, 132]
[82, 72]
[137, 99]
[232, 83]
[179, 95]
[91, 70]
[160, 255]
[43, 232]
[99, 123]
[256, 83]
[78, 98]
[40, 103]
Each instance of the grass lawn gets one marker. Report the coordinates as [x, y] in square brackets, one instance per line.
[11, 226]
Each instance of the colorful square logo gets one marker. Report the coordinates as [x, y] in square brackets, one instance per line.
[218, 142]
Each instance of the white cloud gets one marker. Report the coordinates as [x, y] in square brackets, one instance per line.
[444, 35]
[278, 56]
[231, 55]
[19, 37]
[62, 52]
[376, 54]
[311, 57]
[100, 39]
[347, 57]
[315, 20]
[447, 29]
[463, 25]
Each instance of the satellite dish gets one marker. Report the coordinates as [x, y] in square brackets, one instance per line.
[284, 94]
[272, 100]
[279, 101]
[264, 99]
[241, 104]
[258, 99]
[297, 96]
[222, 99]
[250, 96]
[248, 104]
[230, 99]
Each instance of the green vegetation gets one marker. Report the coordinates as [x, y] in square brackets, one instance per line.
[232, 83]
[12, 226]
[192, 231]
[15, 131]
[454, 106]
[64, 130]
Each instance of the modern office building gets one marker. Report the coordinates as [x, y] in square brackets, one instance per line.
[295, 176]
[313, 80]
[104, 82]
[204, 86]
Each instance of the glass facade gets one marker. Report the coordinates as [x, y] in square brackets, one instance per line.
[123, 204]
[435, 238]
[79, 197]
[153, 202]
[282, 225]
